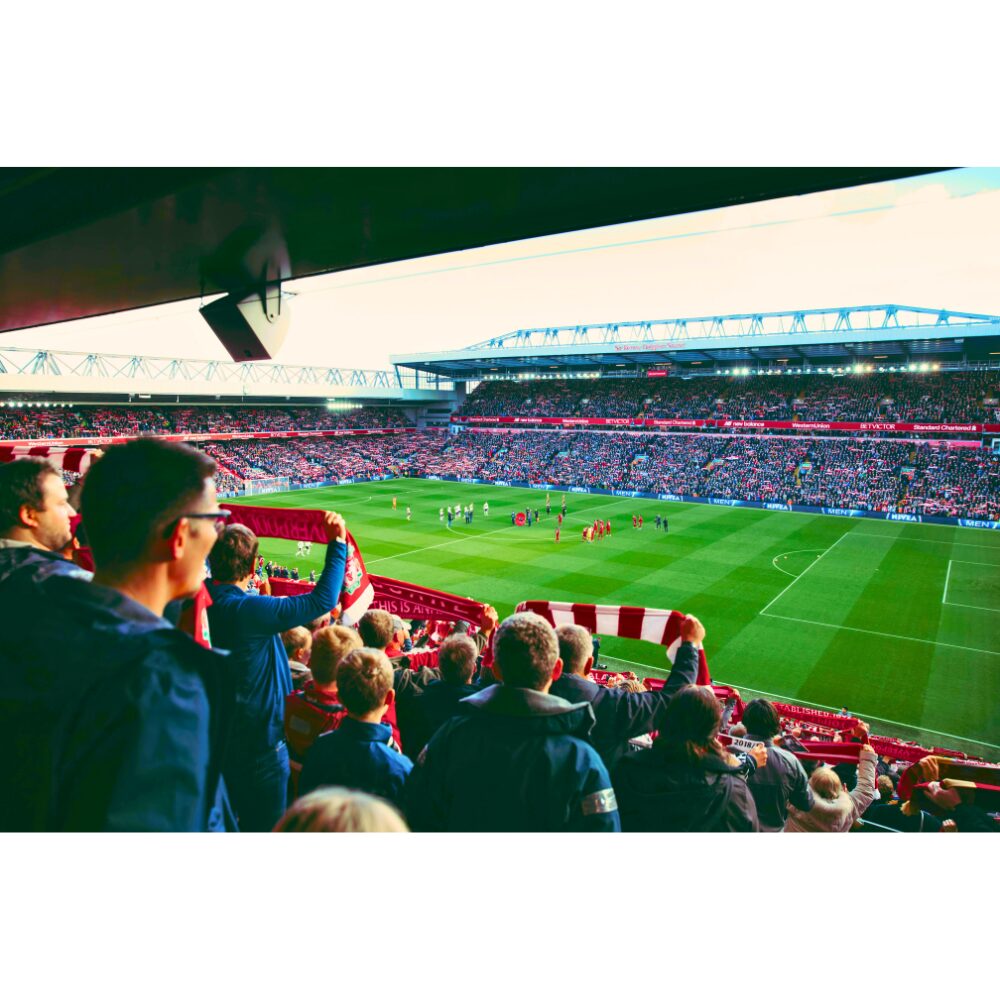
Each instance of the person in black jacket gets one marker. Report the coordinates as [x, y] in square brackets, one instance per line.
[440, 700]
[687, 781]
[782, 780]
[620, 714]
[517, 759]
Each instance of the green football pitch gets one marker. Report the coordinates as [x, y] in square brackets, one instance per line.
[899, 622]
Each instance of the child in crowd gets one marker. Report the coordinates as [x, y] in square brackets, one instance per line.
[360, 753]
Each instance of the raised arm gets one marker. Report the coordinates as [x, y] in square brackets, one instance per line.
[268, 615]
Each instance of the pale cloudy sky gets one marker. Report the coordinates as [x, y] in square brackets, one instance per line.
[928, 241]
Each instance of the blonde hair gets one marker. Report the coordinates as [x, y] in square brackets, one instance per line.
[329, 646]
[364, 678]
[339, 810]
[826, 783]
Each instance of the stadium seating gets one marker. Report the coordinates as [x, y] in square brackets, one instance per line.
[921, 397]
[26, 423]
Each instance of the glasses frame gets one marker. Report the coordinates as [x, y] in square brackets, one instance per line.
[220, 518]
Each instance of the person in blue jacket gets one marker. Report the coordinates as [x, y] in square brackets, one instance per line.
[250, 627]
[112, 719]
[621, 715]
[518, 759]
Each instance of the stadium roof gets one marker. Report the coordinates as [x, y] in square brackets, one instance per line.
[847, 334]
[86, 242]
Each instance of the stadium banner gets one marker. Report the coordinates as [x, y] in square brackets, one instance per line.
[728, 424]
[408, 600]
[102, 442]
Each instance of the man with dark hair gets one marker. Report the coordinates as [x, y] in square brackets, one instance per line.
[519, 759]
[360, 753]
[457, 657]
[782, 779]
[35, 517]
[620, 714]
[250, 627]
[116, 721]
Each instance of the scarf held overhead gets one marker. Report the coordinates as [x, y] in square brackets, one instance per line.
[395, 596]
[307, 526]
[649, 624]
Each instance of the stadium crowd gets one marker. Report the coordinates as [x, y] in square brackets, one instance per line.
[29, 423]
[859, 473]
[133, 715]
[919, 397]
[314, 460]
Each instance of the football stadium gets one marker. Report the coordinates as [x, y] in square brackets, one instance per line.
[733, 570]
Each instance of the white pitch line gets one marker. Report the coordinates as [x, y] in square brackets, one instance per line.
[928, 541]
[974, 607]
[830, 708]
[791, 552]
[947, 577]
[803, 573]
[887, 635]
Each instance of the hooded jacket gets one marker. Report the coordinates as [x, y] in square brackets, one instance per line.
[658, 793]
[110, 718]
[517, 760]
[837, 815]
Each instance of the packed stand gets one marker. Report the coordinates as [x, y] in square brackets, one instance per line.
[25, 423]
[858, 473]
[862, 474]
[959, 397]
[315, 460]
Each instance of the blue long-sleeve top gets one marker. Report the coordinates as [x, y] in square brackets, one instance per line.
[249, 626]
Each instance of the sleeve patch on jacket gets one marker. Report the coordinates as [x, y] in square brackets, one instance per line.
[603, 801]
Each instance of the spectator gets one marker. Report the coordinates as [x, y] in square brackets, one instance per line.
[34, 520]
[298, 645]
[141, 747]
[947, 797]
[360, 753]
[441, 699]
[908, 817]
[782, 779]
[835, 810]
[687, 781]
[518, 760]
[338, 810]
[620, 714]
[257, 766]
[316, 708]
[383, 631]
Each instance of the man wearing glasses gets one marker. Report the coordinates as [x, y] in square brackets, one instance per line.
[115, 720]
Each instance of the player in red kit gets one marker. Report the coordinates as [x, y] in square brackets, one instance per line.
[607, 527]
[633, 520]
[557, 534]
[559, 519]
[640, 522]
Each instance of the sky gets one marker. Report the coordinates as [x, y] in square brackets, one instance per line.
[925, 241]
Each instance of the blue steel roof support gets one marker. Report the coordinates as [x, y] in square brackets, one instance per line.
[801, 321]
